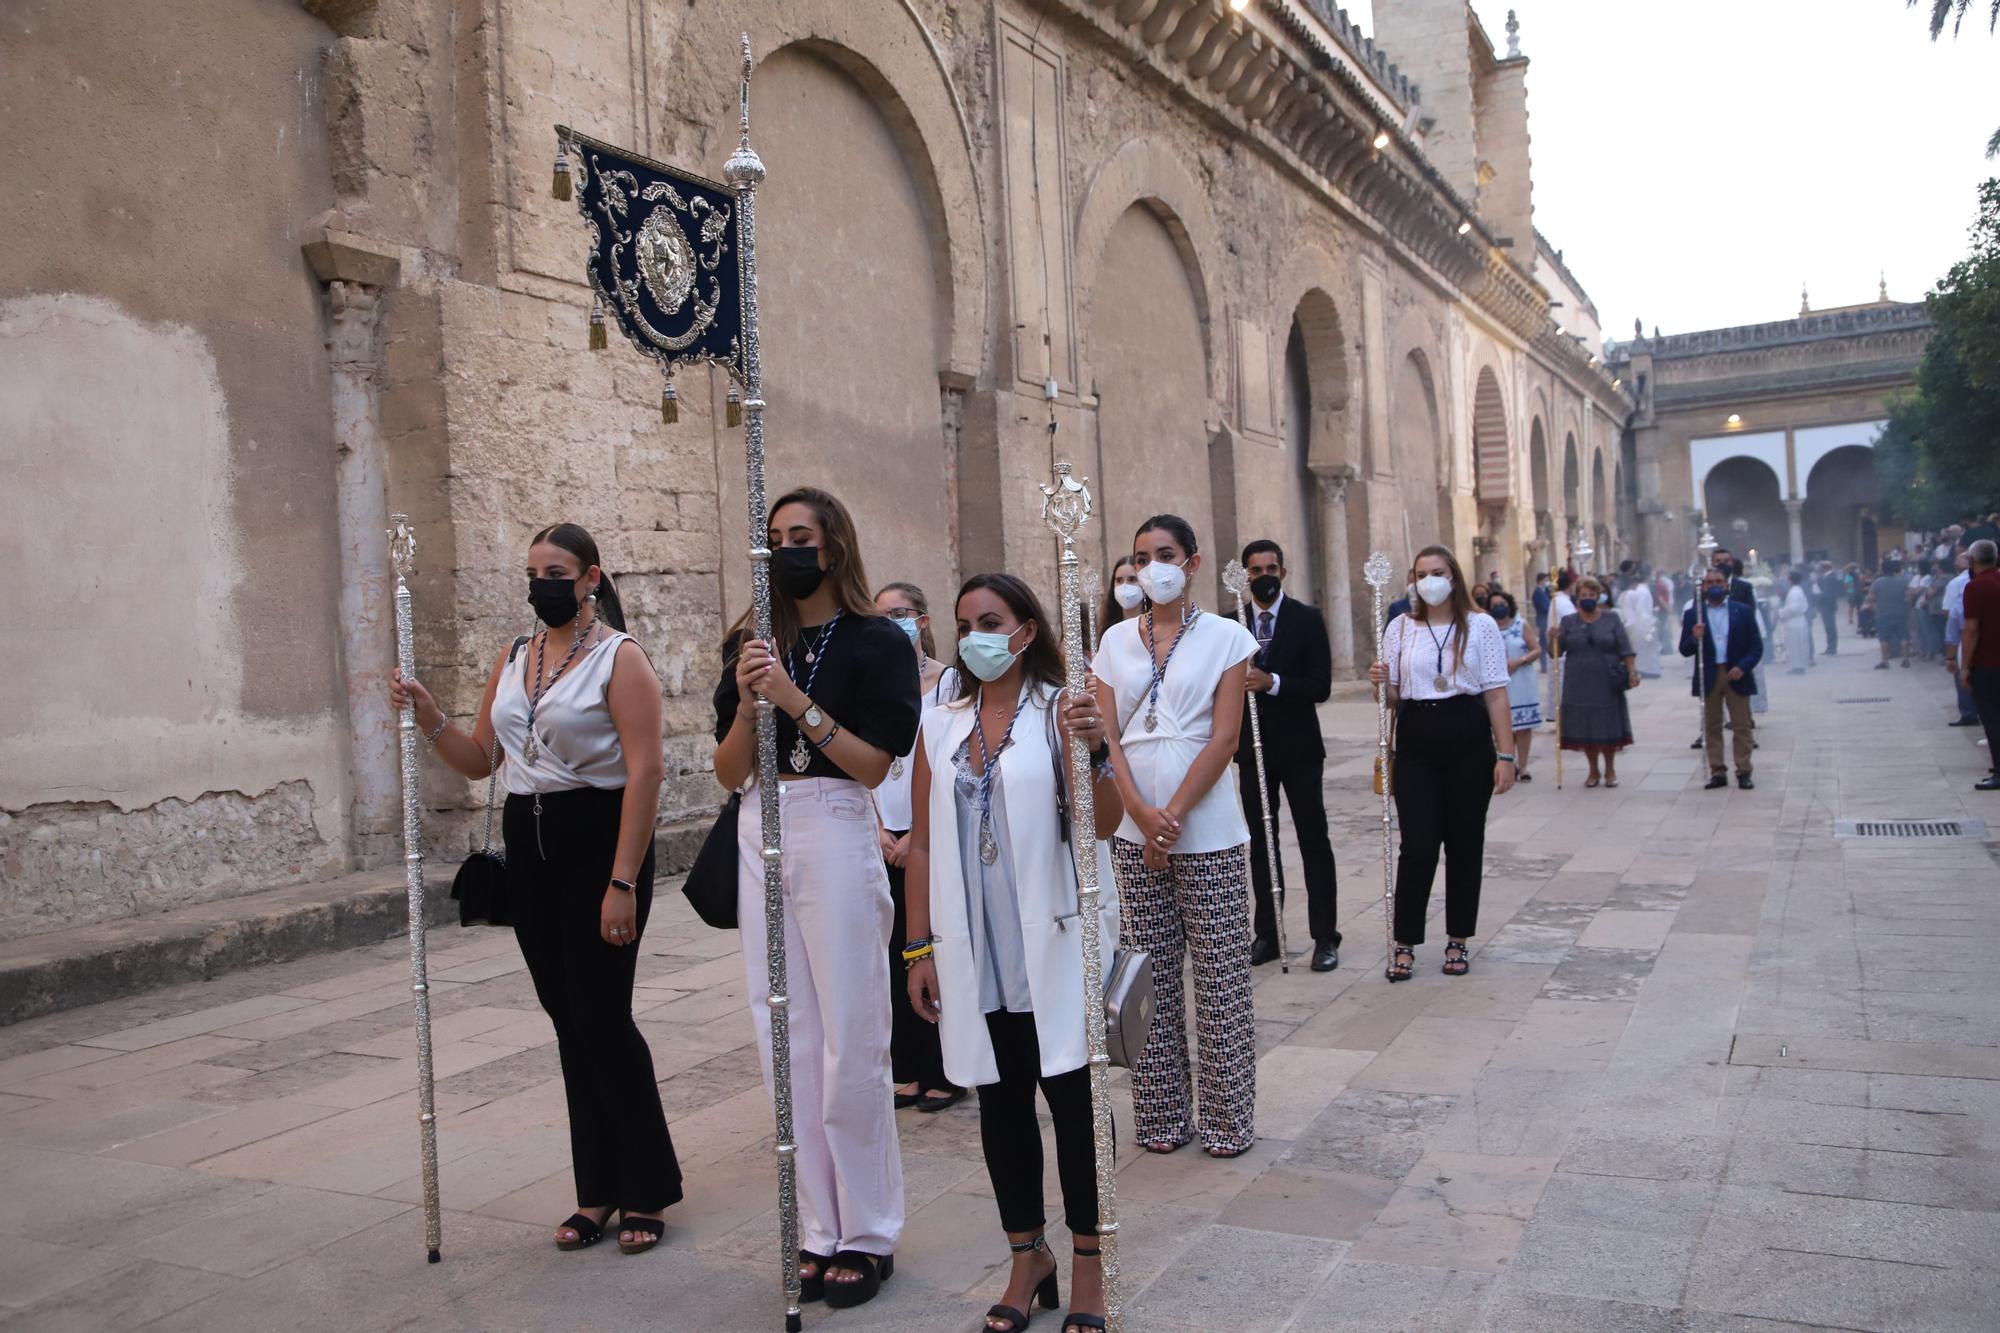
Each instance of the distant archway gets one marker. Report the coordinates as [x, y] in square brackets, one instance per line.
[1743, 505]
[1492, 477]
[1572, 489]
[1419, 457]
[1840, 488]
[1600, 508]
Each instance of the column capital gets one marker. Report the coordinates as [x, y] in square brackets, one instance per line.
[338, 255]
[1335, 477]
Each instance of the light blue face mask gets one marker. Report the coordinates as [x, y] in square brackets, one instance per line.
[985, 653]
[910, 626]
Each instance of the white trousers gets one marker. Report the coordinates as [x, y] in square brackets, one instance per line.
[837, 919]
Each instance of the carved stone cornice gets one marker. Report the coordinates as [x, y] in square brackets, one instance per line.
[1867, 321]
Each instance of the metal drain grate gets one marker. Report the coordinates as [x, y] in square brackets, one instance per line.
[1909, 828]
[1871, 699]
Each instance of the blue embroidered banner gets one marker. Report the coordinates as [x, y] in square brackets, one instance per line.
[664, 253]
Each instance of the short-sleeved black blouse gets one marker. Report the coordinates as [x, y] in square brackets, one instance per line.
[867, 682]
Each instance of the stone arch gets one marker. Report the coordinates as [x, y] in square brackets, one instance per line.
[1415, 432]
[1743, 504]
[1572, 482]
[1493, 478]
[1145, 173]
[1840, 491]
[1600, 510]
[1305, 296]
[910, 82]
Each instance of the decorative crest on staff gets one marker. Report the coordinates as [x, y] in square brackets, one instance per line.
[403, 556]
[1066, 508]
[673, 259]
[1376, 571]
[1236, 580]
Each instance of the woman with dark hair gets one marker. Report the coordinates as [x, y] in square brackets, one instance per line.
[994, 960]
[915, 1061]
[1524, 699]
[1598, 668]
[1122, 598]
[1446, 668]
[843, 682]
[1177, 678]
[576, 732]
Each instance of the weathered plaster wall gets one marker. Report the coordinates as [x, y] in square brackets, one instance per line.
[163, 422]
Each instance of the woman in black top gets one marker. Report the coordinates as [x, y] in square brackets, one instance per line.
[844, 685]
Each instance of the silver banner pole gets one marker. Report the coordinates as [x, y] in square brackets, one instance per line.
[745, 171]
[1706, 546]
[402, 554]
[1066, 508]
[1236, 580]
[1376, 572]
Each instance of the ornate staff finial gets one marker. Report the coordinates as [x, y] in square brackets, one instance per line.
[402, 546]
[1235, 579]
[1376, 571]
[743, 97]
[744, 167]
[1066, 504]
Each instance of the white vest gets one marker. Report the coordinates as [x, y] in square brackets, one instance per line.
[1045, 888]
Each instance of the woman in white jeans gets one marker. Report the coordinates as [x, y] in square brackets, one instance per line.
[844, 683]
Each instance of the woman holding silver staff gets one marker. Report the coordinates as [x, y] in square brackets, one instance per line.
[843, 682]
[996, 958]
[916, 1064]
[1445, 666]
[578, 724]
[1177, 679]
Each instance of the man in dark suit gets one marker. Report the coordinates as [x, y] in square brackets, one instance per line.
[1724, 631]
[1290, 676]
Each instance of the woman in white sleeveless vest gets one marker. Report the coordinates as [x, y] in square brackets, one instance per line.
[996, 958]
[575, 715]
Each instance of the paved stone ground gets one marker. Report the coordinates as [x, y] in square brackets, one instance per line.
[1713, 1069]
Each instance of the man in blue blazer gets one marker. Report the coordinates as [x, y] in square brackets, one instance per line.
[1723, 630]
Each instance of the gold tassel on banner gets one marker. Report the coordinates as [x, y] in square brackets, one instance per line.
[561, 188]
[670, 406]
[735, 410]
[598, 341]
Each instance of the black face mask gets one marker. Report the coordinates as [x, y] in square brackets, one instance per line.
[554, 600]
[1586, 603]
[1265, 588]
[1715, 594]
[796, 571]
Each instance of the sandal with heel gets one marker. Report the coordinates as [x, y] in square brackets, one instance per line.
[875, 1269]
[588, 1233]
[1399, 970]
[1047, 1294]
[647, 1230]
[1082, 1323]
[1457, 959]
[813, 1288]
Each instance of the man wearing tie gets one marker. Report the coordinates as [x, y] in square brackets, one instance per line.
[1290, 676]
[1724, 631]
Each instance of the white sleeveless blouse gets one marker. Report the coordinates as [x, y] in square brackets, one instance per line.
[576, 744]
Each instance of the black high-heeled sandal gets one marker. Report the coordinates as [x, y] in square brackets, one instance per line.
[1398, 970]
[1084, 1322]
[1047, 1294]
[875, 1269]
[1461, 964]
[813, 1288]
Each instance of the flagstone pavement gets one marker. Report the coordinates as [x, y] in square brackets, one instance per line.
[1712, 1069]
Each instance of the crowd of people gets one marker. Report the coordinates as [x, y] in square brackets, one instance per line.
[930, 884]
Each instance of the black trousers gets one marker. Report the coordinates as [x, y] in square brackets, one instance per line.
[558, 867]
[1300, 782]
[915, 1054]
[1986, 698]
[1443, 783]
[1012, 1136]
[1829, 616]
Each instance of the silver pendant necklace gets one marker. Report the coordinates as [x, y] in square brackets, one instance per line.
[801, 756]
[531, 748]
[1160, 668]
[989, 846]
[1439, 682]
[923, 665]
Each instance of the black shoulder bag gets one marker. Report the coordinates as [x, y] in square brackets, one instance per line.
[480, 887]
[710, 885]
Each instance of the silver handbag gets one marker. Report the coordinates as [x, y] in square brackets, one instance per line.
[1128, 1006]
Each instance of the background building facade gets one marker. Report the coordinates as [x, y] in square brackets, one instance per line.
[281, 267]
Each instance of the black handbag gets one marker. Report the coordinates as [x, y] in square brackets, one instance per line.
[480, 886]
[710, 885]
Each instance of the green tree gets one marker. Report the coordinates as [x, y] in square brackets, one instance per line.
[1954, 10]
[1940, 453]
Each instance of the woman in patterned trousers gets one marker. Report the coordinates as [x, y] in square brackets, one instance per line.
[1177, 679]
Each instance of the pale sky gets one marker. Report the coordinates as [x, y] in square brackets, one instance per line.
[1697, 161]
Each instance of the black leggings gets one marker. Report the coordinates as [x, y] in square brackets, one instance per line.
[915, 1054]
[1012, 1136]
[1443, 782]
[558, 868]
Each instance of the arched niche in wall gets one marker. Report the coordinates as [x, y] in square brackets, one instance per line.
[1422, 470]
[1743, 505]
[1493, 475]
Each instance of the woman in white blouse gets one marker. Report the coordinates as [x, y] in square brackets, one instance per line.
[1177, 679]
[1446, 668]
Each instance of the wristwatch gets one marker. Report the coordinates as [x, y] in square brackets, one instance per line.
[812, 717]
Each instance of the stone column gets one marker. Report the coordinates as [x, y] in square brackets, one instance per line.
[1333, 484]
[356, 275]
[1795, 530]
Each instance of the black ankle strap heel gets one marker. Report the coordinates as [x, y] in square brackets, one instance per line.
[1047, 1294]
[1083, 1321]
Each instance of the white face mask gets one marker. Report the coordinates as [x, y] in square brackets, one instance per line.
[1435, 589]
[1163, 582]
[1128, 595]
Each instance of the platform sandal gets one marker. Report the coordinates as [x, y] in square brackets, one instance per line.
[1082, 1323]
[1398, 969]
[648, 1230]
[588, 1233]
[813, 1288]
[875, 1269]
[1461, 964]
[1046, 1293]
